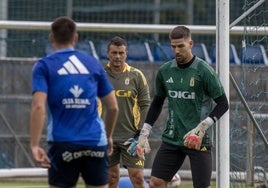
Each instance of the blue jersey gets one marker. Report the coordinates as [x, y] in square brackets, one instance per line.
[73, 82]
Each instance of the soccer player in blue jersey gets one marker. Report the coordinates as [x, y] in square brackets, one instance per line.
[66, 86]
[196, 100]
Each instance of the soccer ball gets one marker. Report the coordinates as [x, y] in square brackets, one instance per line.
[175, 182]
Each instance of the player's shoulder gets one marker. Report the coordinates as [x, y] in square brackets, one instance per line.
[167, 65]
[201, 65]
[39, 63]
[133, 70]
[86, 59]
[43, 61]
[84, 55]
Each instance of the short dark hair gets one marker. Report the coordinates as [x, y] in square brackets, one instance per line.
[117, 41]
[180, 32]
[63, 29]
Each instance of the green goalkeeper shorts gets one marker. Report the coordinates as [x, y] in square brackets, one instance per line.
[121, 156]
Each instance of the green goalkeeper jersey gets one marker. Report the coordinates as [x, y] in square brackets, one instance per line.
[190, 92]
[132, 93]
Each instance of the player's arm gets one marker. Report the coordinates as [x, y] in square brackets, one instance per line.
[221, 107]
[153, 113]
[193, 138]
[37, 121]
[110, 116]
[154, 110]
[158, 100]
[143, 98]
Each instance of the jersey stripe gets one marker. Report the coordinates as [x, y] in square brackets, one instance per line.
[70, 67]
[62, 71]
[81, 68]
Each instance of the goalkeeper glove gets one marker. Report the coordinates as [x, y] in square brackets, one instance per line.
[143, 146]
[132, 147]
[193, 139]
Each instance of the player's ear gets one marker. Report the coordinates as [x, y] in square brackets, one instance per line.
[51, 38]
[76, 37]
[126, 53]
[191, 43]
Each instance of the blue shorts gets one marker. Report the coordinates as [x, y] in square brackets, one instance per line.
[69, 161]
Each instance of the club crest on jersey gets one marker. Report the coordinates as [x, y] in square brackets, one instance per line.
[192, 81]
[127, 81]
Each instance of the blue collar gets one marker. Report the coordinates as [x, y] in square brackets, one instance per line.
[65, 50]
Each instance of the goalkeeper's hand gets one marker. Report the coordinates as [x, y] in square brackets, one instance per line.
[143, 146]
[132, 149]
[193, 139]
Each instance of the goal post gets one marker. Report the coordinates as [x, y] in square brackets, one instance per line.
[222, 68]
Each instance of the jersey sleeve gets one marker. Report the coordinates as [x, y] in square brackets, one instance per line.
[212, 84]
[39, 77]
[143, 90]
[159, 85]
[104, 85]
[143, 97]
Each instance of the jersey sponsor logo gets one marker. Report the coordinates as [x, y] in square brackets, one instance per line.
[75, 102]
[76, 91]
[69, 156]
[123, 93]
[181, 94]
[170, 80]
[73, 66]
[139, 163]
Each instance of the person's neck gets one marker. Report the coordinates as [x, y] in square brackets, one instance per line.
[189, 62]
[119, 69]
[62, 46]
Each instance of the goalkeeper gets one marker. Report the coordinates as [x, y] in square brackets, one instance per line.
[132, 93]
[196, 100]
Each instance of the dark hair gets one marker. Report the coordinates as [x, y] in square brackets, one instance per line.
[117, 41]
[180, 32]
[63, 29]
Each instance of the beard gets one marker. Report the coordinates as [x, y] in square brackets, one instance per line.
[180, 59]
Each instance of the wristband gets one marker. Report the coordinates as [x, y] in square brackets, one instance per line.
[146, 129]
[206, 123]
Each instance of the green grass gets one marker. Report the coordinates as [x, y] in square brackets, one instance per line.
[43, 184]
[28, 184]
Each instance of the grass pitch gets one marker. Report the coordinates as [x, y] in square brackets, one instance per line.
[43, 184]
